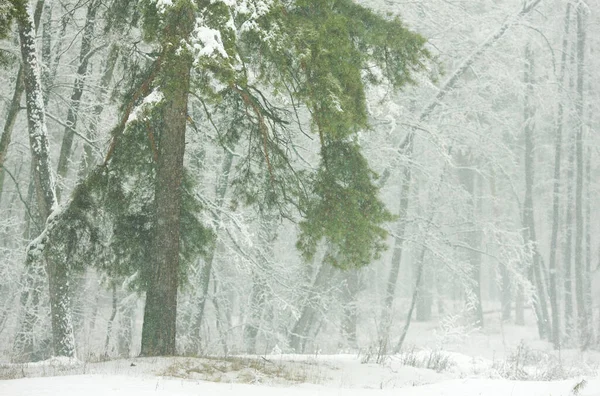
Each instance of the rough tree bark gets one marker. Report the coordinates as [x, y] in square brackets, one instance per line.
[160, 312]
[58, 271]
[15, 105]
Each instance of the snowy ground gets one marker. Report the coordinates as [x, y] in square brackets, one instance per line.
[437, 361]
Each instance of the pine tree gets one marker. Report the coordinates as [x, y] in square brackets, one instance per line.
[239, 59]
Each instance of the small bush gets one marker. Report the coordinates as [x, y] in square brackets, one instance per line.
[526, 364]
[11, 371]
[434, 359]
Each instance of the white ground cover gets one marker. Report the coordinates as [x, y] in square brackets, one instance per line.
[498, 361]
[293, 375]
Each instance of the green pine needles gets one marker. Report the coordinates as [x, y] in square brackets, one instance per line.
[319, 57]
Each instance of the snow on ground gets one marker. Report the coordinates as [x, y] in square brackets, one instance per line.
[92, 385]
[300, 375]
[437, 360]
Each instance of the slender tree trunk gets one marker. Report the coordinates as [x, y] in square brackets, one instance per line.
[107, 75]
[258, 295]
[589, 302]
[390, 291]
[205, 274]
[415, 296]
[568, 240]
[308, 314]
[126, 321]
[556, 189]
[466, 176]
[111, 320]
[580, 275]
[350, 290]
[505, 282]
[73, 111]
[535, 273]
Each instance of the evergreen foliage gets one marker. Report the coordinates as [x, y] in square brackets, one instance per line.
[321, 56]
[7, 14]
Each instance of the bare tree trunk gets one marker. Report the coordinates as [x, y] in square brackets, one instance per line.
[73, 110]
[111, 320]
[582, 322]
[301, 329]
[206, 271]
[556, 189]
[415, 296]
[126, 321]
[25, 344]
[390, 291]
[258, 295]
[568, 240]
[15, 105]
[503, 272]
[589, 303]
[58, 272]
[535, 273]
[350, 289]
[466, 176]
[107, 75]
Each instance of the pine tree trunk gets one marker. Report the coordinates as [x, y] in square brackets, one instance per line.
[580, 275]
[160, 312]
